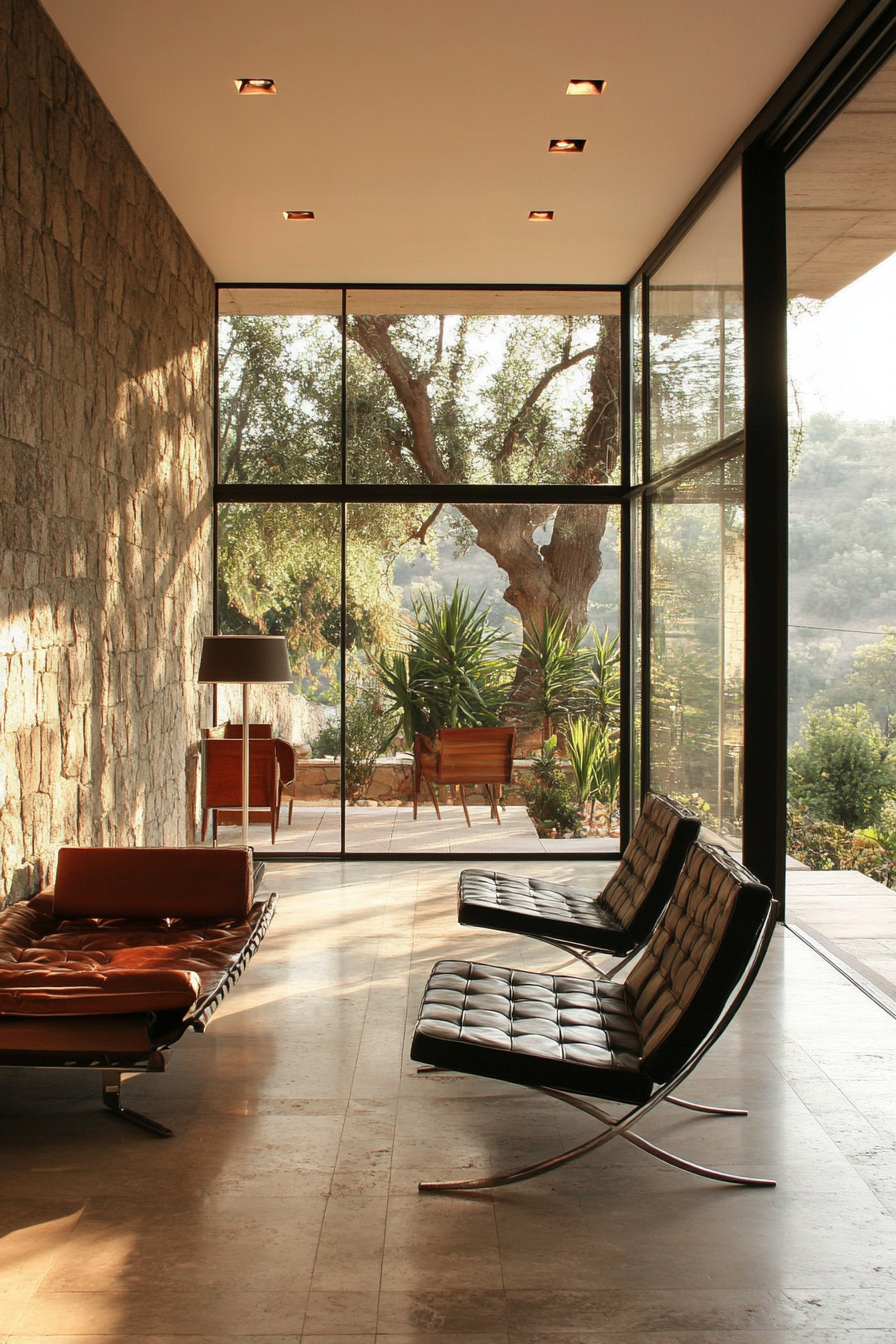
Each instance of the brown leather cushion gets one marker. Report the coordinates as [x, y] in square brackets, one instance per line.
[153, 883]
[36, 990]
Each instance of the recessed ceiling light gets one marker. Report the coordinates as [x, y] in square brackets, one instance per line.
[298, 214]
[540, 216]
[566, 146]
[586, 86]
[255, 86]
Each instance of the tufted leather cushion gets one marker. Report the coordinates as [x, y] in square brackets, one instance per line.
[697, 952]
[102, 883]
[614, 920]
[600, 1038]
[504, 901]
[87, 966]
[554, 1030]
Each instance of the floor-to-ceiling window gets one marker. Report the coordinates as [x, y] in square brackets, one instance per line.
[841, 243]
[390, 459]
[689, 517]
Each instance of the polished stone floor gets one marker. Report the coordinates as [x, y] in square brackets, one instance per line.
[286, 1208]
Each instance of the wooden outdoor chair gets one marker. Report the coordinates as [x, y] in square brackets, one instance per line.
[222, 782]
[286, 757]
[471, 756]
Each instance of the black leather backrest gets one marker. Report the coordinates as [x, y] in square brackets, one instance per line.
[646, 876]
[695, 957]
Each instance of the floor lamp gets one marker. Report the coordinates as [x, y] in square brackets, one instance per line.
[244, 659]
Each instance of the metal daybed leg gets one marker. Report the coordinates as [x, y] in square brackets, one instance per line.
[112, 1102]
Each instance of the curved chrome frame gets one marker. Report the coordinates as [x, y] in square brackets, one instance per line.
[622, 1125]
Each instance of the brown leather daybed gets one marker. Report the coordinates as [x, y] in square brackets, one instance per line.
[130, 947]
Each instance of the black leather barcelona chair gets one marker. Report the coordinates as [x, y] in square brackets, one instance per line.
[632, 1041]
[617, 919]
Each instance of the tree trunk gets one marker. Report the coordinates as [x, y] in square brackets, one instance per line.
[555, 576]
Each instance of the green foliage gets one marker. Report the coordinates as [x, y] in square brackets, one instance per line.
[841, 772]
[328, 741]
[363, 739]
[594, 755]
[448, 677]
[279, 399]
[603, 687]
[549, 798]
[842, 563]
[556, 668]
[823, 846]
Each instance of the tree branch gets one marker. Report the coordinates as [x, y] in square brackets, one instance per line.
[511, 438]
[420, 533]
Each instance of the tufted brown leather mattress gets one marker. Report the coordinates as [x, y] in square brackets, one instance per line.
[78, 980]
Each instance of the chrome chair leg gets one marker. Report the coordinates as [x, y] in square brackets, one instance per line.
[112, 1102]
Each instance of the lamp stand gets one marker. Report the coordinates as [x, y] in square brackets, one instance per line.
[245, 840]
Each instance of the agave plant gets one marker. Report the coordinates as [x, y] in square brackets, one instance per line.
[594, 755]
[558, 667]
[583, 744]
[602, 686]
[451, 675]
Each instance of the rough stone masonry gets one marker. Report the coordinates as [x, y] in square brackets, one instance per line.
[106, 319]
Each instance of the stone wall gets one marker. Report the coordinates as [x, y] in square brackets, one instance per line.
[106, 315]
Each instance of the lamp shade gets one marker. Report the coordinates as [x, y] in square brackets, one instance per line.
[244, 658]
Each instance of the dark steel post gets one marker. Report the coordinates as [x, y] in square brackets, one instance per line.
[765, 524]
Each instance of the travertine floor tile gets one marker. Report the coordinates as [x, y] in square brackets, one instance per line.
[286, 1208]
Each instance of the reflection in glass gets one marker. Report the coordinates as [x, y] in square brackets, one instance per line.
[696, 335]
[279, 573]
[637, 448]
[279, 387]
[405, 560]
[482, 388]
[636, 563]
[696, 643]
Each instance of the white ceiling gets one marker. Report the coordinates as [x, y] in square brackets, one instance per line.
[417, 130]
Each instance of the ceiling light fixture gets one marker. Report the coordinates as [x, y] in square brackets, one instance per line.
[566, 146]
[586, 86]
[298, 214]
[540, 216]
[255, 86]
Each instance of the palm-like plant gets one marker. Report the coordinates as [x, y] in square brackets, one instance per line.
[450, 676]
[603, 681]
[558, 666]
[594, 755]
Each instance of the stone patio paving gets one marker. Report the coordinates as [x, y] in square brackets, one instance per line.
[392, 830]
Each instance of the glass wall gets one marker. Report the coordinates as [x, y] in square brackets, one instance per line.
[690, 521]
[280, 573]
[499, 393]
[841, 245]
[482, 389]
[696, 643]
[279, 387]
[696, 336]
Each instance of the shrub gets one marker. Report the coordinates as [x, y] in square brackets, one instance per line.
[549, 797]
[841, 772]
[825, 846]
[328, 741]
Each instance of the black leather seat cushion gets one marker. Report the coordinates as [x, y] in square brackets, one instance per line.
[613, 920]
[550, 1030]
[521, 904]
[597, 1037]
